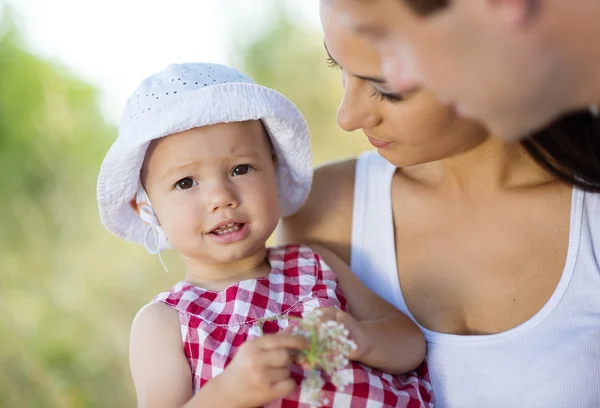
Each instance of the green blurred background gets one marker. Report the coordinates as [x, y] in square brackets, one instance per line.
[68, 288]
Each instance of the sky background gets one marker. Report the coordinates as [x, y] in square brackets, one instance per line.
[112, 43]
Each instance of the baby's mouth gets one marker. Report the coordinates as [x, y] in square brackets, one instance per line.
[227, 229]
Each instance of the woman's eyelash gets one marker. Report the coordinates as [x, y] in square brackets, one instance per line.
[331, 63]
[385, 97]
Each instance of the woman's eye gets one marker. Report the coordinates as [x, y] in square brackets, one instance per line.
[240, 170]
[185, 183]
[387, 97]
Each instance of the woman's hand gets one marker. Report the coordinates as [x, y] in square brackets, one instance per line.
[260, 371]
[357, 333]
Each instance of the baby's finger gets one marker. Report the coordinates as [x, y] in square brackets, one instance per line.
[283, 340]
[275, 375]
[282, 388]
[278, 358]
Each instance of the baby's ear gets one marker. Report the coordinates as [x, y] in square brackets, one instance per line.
[134, 206]
[145, 212]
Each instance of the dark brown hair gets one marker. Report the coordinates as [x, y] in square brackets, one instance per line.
[425, 7]
[568, 148]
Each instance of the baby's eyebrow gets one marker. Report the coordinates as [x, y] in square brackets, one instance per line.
[237, 153]
[251, 154]
[172, 170]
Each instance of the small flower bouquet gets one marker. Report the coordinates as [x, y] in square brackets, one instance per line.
[328, 352]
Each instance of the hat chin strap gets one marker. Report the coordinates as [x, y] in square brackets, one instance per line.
[159, 236]
[147, 214]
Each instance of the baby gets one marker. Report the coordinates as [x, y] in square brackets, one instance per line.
[206, 163]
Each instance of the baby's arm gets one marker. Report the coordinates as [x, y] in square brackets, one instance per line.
[259, 372]
[160, 370]
[387, 339]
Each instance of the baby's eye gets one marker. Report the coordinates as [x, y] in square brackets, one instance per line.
[241, 170]
[185, 183]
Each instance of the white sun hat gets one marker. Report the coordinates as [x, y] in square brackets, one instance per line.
[187, 96]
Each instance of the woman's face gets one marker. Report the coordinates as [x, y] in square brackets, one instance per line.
[407, 129]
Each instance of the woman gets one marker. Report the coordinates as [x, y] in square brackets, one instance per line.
[514, 64]
[493, 254]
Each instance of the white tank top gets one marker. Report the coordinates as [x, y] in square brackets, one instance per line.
[551, 360]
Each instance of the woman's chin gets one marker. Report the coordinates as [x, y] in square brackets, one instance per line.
[399, 160]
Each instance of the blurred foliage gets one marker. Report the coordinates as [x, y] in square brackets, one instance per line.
[289, 56]
[68, 288]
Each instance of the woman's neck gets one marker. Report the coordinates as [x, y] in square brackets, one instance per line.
[217, 276]
[491, 166]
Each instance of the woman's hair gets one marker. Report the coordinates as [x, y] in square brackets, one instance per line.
[569, 148]
[425, 7]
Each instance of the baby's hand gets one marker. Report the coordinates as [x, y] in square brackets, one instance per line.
[356, 331]
[260, 371]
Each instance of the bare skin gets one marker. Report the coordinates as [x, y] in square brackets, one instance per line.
[471, 260]
[260, 370]
[513, 64]
[481, 234]
[193, 179]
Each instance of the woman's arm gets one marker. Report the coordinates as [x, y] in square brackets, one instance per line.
[325, 222]
[326, 217]
[387, 339]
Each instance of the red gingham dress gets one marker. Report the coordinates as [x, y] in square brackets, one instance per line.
[214, 325]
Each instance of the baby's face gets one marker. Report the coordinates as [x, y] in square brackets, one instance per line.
[214, 190]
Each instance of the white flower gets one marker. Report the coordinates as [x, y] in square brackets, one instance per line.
[329, 351]
[311, 389]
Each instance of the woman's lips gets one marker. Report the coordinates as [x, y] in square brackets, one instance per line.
[379, 144]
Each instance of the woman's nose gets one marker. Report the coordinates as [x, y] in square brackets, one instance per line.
[357, 109]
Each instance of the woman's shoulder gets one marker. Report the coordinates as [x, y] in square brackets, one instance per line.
[326, 217]
[332, 179]
[332, 189]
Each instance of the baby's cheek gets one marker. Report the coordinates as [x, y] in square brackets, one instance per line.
[182, 227]
[262, 198]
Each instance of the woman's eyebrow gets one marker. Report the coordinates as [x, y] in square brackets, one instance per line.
[364, 78]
